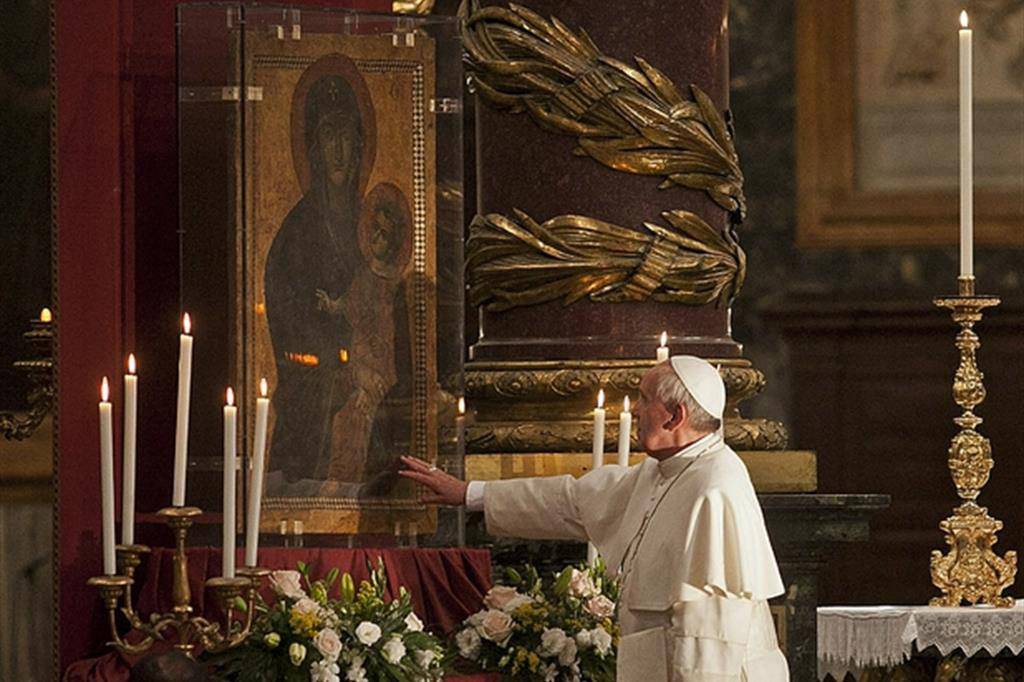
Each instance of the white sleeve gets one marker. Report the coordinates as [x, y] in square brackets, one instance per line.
[475, 496]
[709, 638]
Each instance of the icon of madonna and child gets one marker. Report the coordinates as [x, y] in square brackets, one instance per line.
[337, 284]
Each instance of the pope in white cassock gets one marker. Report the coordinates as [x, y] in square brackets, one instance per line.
[683, 530]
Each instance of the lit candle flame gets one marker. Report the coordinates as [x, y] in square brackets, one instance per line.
[186, 324]
[462, 407]
[263, 387]
[45, 315]
[131, 363]
[230, 397]
[625, 404]
[963, 19]
[664, 339]
[600, 398]
[104, 390]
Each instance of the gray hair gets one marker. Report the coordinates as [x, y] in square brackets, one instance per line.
[670, 390]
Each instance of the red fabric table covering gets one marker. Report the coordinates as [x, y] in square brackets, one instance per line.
[446, 585]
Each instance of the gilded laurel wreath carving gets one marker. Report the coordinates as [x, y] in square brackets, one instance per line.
[517, 261]
[632, 119]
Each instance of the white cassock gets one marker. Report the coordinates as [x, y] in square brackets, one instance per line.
[688, 539]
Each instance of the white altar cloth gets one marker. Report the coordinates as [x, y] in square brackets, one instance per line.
[851, 638]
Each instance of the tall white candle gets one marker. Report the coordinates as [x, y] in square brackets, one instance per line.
[663, 349]
[460, 459]
[966, 153]
[230, 432]
[181, 429]
[131, 396]
[597, 458]
[252, 525]
[107, 478]
[625, 426]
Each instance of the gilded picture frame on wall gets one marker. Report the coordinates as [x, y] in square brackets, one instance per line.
[877, 110]
[336, 282]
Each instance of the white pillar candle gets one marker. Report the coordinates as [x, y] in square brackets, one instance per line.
[966, 153]
[625, 426]
[598, 454]
[663, 349]
[252, 525]
[230, 431]
[181, 429]
[131, 396]
[107, 478]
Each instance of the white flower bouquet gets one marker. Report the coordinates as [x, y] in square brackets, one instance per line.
[563, 629]
[316, 633]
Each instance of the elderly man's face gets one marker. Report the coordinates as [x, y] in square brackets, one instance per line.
[656, 426]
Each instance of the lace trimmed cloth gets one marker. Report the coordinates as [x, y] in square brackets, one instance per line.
[852, 638]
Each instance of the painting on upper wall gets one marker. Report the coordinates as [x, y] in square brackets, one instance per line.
[338, 270]
[878, 122]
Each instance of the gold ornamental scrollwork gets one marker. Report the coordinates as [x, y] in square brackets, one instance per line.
[516, 261]
[970, 571]
[628, 118]
[412, 6]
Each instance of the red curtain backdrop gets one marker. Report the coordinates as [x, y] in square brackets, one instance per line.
[117, 265]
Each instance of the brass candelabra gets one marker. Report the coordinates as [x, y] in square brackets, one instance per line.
[970, 571]
[116, 593]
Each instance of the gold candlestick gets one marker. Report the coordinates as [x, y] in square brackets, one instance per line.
[191, 630]
[971, 571]
[128, 559]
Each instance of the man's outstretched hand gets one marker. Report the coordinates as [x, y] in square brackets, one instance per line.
[446, 488]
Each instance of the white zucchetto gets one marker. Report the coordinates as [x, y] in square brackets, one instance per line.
[702, 381]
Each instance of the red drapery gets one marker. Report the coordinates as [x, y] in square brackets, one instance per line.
[446, 586]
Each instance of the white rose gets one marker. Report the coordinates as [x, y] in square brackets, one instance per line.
[499, 595]
[287, 584]
[394, 649]
[550, 672]
[324, 671]
[552, 640]
[580, 585]
[413, 622]
[602, 640]
[425, 658]
[496, 626]
[568, 653]
[476, 618]
[297, 654]
[368, 633]
[306, 606]
[328, 644]
[468, 641]
[583, 639]
[600, 606]
[515, 602]
[355, 674]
